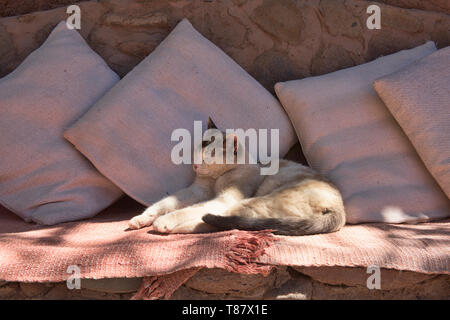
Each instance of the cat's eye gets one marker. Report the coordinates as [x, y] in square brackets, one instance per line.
[325, 211]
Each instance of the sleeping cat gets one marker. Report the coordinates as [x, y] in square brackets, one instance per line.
[295, 201]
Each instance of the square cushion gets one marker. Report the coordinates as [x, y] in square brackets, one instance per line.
[127, 134]
[349, 135]
[42, 177]
[418, 97]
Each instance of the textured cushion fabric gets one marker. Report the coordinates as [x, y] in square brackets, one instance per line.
[101, 249]
[348, 134]
[42, 177]
[127, 134]
[418, 97]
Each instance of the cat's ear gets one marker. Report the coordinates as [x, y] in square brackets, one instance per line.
[211, 124]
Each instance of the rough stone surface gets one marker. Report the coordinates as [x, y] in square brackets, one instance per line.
[296, 288]
[7, 291]
[34, 289]
[282, 284]
[54, 291]
[273, 40]
[16, 7]
[58, 292]
[354, 277]
[432, 5]
[206, 280]
[6, 45]
[436, 288]
[114, 285]
[283, 20]
[150, 20]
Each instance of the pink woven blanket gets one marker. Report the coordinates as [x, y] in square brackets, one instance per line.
[101, 248]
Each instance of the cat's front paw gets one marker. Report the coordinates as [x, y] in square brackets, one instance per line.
[174, 223]
[140, 221]
[164, 224]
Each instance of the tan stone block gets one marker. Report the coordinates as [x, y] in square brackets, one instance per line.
[32, 289]
[390, 279]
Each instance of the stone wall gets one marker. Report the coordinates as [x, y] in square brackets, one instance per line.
[432, 5]
[18, 7]
[283, 283]
[273, 40]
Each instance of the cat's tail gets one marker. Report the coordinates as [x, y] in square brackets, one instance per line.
[329, 222]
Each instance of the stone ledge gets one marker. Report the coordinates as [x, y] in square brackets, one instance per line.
[357, 276]
[284, 283]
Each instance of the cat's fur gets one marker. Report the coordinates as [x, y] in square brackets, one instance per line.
[295, 201]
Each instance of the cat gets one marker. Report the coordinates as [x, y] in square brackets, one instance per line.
[295, 201]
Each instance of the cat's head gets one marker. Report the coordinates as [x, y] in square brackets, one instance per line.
[211, 152]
